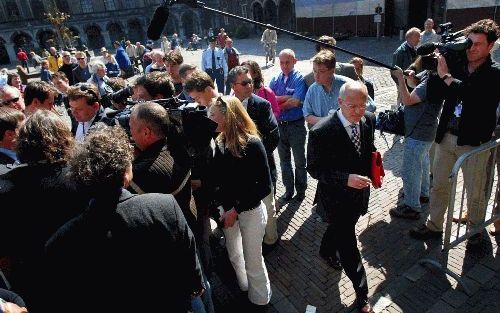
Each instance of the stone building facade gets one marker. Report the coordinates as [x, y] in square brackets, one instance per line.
[97, 23]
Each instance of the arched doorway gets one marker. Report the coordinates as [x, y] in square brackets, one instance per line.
[4, 55]
[285, 14]
[270, 12]
[73, 38]
[171, 27]
[115, 32]
[189, 24]
[47, 39]
[22, 40]
[135, 31]
[94, 36]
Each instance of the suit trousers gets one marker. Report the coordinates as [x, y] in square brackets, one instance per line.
[340, 240]
[474, 173]
[244, 248]
[218, 78]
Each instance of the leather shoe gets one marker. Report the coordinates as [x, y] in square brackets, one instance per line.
[404, 211]
[287, 196]
[424, 233]
[332, 262]
[363, 305]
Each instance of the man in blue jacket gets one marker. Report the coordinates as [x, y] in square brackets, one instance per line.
[122, 57]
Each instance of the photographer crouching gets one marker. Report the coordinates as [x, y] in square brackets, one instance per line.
[467, 121]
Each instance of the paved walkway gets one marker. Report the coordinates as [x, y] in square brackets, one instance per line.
[397, 283]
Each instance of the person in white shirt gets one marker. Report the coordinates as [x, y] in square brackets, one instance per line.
[429, 34]
[214, 64]
[85, 108]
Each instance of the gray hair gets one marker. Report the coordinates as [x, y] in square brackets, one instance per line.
[154, 116]
[95, 65]
[288, 52]
[235, 72]
[354, 85]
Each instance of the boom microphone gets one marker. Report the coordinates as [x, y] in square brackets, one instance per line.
[158, 22]
[457, 45]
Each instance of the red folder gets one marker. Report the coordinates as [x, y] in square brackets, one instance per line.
[377, 170]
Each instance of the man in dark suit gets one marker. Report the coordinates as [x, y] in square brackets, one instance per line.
[85, 108]
[339, 157]
[261, 113]
[10, 122]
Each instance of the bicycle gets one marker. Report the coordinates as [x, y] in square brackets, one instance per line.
[270, 52]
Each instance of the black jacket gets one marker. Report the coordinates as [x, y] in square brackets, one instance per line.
[100, 117]
[161, 169]
[261, 113]
[126, 253]
[68, 70]
[331, 157]
[241, 182]
[480, 96]
[35, 201]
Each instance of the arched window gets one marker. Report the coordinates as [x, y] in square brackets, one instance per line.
[109, 5]
[86, 6]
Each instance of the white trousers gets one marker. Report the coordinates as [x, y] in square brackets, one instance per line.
[271, 235]
[244, 247]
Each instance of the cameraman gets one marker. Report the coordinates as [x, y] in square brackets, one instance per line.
[422, 108]
[465, 123]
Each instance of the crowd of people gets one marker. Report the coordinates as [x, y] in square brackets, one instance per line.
[115, 189]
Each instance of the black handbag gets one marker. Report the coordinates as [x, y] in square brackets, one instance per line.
[391, 121]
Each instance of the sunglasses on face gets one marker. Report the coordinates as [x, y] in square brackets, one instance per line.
[244, 82]
[80, 58]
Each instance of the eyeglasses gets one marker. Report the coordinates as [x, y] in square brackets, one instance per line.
[245, 82]
[80, 58]
[13, 100]
[222, 104]
[65, 56]
[355, 107]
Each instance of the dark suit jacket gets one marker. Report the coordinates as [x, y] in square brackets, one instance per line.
[331, 157]
[261, 113]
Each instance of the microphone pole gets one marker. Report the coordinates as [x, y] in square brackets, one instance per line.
[201, 5]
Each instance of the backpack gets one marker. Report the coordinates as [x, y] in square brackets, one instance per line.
[232, 59]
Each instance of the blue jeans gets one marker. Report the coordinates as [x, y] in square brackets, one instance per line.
[415, 172]
[293, 136]
[203, 303]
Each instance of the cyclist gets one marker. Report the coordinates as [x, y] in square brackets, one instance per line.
[269, 39]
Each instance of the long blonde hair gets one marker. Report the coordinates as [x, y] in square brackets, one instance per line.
[238, 128]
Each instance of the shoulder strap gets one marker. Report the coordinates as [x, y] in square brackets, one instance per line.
[173, 193]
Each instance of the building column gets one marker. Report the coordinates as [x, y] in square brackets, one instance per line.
[11, 51]
[107, 38]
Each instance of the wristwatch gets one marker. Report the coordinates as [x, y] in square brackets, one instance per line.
[446, 76]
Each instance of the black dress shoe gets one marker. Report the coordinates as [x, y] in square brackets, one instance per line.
[423, 233]
[363, 305]
[268, 248]
[287, 196]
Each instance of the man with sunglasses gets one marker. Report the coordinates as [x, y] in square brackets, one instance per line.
[81, 73]
[68, 67]
[11, 97]
[261, 113]
[85, 108]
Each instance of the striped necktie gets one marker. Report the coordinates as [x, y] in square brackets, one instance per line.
[355, 138]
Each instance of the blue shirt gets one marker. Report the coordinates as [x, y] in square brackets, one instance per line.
[319, 102]
[122, 58]
[10, 153]
[220, 60]
[294, 86]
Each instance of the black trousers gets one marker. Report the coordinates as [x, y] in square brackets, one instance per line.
[340, 237]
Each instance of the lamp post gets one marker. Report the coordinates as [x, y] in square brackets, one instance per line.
[57, 19]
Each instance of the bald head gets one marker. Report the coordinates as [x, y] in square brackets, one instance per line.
[352, 100]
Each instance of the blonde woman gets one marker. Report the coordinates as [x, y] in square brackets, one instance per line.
[241, 178]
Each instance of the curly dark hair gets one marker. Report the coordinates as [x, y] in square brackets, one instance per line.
[100, 162]
[255, 68]
[44, 138]
[487, 27]
[157, 83]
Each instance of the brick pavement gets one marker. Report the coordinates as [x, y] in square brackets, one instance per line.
[397, 284]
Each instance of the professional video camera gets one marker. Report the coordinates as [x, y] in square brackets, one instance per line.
[452, 47]
[187, 121]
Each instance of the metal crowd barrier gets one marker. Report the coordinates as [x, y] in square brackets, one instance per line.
[488, 180]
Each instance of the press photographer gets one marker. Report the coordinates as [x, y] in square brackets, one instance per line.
[465, 123]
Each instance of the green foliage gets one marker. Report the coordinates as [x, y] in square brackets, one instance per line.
[242, 31]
